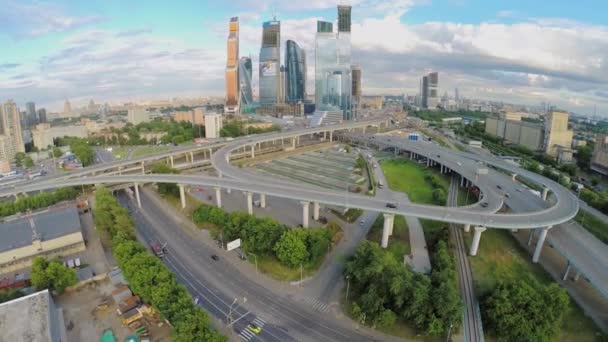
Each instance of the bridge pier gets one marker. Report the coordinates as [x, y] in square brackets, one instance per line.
[218, 196]
[428, 162]
[293, 142]
[530, 236]
[467, 228]
[540, 243]
[514, 176]
[192, 157]
[387, 229]
[262, 200]
[182, 195]
[461, 181]
[249, 202]
[136, 186]
[120, 170]
[252, 151]
[545, 193]
[476, 239]
[305, 213]
[143, 168]
[171, 159]
[315, 211]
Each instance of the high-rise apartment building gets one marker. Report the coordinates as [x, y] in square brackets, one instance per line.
[232, 64]
[245, 77]
[213, 125]
[295, 64]
[429, 91]
[333, 84]
[557, 133]
[67, 109]
[270, 59]
[136, 116]
[12, 136]
[30, 115]
[599, 160]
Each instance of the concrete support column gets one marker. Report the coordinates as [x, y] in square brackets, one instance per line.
[461, 181]
[210, 153]
[411, 155]
[136, 186]
[293, 142]
[476, 239]
[324, 135]
[576, 275]
[182, 195]
[192, 157]
[568, 266]
[120, 170]
[171, 159]
[331, 136]
[467, 228]
[249, 202]
[252, 151]
[305, 213]
[514, 176]
[387, 228]
[315, 211]
[143, 168]
[540, 243]
[530, 237]
[218, 197]
[545, 193]
[262, 200]
[428, 162]
[441, 169]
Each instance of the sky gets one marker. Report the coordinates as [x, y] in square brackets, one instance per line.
[516, 51]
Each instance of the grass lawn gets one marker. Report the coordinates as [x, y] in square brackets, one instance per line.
[146, 150]
[119, 153]
[399, 242]
[593, 224]
[500, 257]
[406, 176]
[463, 199]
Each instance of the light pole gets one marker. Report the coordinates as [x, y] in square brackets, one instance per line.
[256, 262]
[230, 310]
[449, 333]
[301, 274]
[347, 287]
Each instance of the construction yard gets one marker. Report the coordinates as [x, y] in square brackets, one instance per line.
[90, 310]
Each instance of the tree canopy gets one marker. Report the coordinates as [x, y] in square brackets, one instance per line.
[52, 275]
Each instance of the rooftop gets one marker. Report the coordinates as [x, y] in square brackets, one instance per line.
[27, 318]
[48, 225]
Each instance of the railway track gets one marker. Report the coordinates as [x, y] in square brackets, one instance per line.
[473, 329]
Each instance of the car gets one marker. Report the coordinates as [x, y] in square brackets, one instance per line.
[215, 257]
[391, 205]
[438, 156]
[484, 204]
[519, 189]
[362, 222]
[499, 187]
[254, 328]
[507, 195]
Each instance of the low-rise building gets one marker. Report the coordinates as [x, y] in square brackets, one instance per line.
[137, 116]
[50, 233]
[195, 117]
[32, 318]
[599, 160]
[44, 135]
[510, 127]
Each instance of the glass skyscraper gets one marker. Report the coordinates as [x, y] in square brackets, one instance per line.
[232, 75]
[333, 84]
[245, 74]
[270, 59]
[295, 63]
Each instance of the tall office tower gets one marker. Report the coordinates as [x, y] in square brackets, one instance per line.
[433, 92]
[30, 114]
[424, 92]
[456, 95]
[557, 133]
[270, 59]
[356, 88]
[232, 65]
[295, 82]
[41, 115]
[333, 85]
[245, 75]
[67, 108]
[11, 130]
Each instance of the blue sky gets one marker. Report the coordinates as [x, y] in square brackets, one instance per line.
[517, 51]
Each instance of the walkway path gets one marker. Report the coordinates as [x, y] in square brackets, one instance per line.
[473, 329]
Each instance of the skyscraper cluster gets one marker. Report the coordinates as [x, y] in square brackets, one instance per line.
[333, 71]
[337, 82]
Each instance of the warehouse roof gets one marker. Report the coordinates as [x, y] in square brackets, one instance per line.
[48, 225]
[27, 318]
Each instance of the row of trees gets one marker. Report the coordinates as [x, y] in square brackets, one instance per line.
[80, 147]
[238, 128]
[52, 275]
[439, 194]
[41, 200]
[266, 236]
[524, 310]
[166, 189]
[598, 200]
[176, 133]
[148, 276]
[23, 160]
[384, 290]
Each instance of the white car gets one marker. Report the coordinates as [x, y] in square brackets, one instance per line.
[362, 222]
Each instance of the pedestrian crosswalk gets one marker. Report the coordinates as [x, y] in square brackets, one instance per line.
[316, 304]
[248, 334]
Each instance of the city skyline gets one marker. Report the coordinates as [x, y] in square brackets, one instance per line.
[513, 52]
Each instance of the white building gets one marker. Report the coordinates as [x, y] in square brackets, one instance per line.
[136, 116]
[213, 125]
[44, 134]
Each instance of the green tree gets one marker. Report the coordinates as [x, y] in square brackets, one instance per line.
[291, 247]
[10, 294]
[28, 163]
[19, 158]
[167, 189]
[52, 275]
[57, 152]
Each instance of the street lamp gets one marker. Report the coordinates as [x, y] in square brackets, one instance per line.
[230, 310]
[256, 262]
[347, 287]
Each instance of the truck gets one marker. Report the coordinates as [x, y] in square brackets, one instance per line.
[157, 249]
